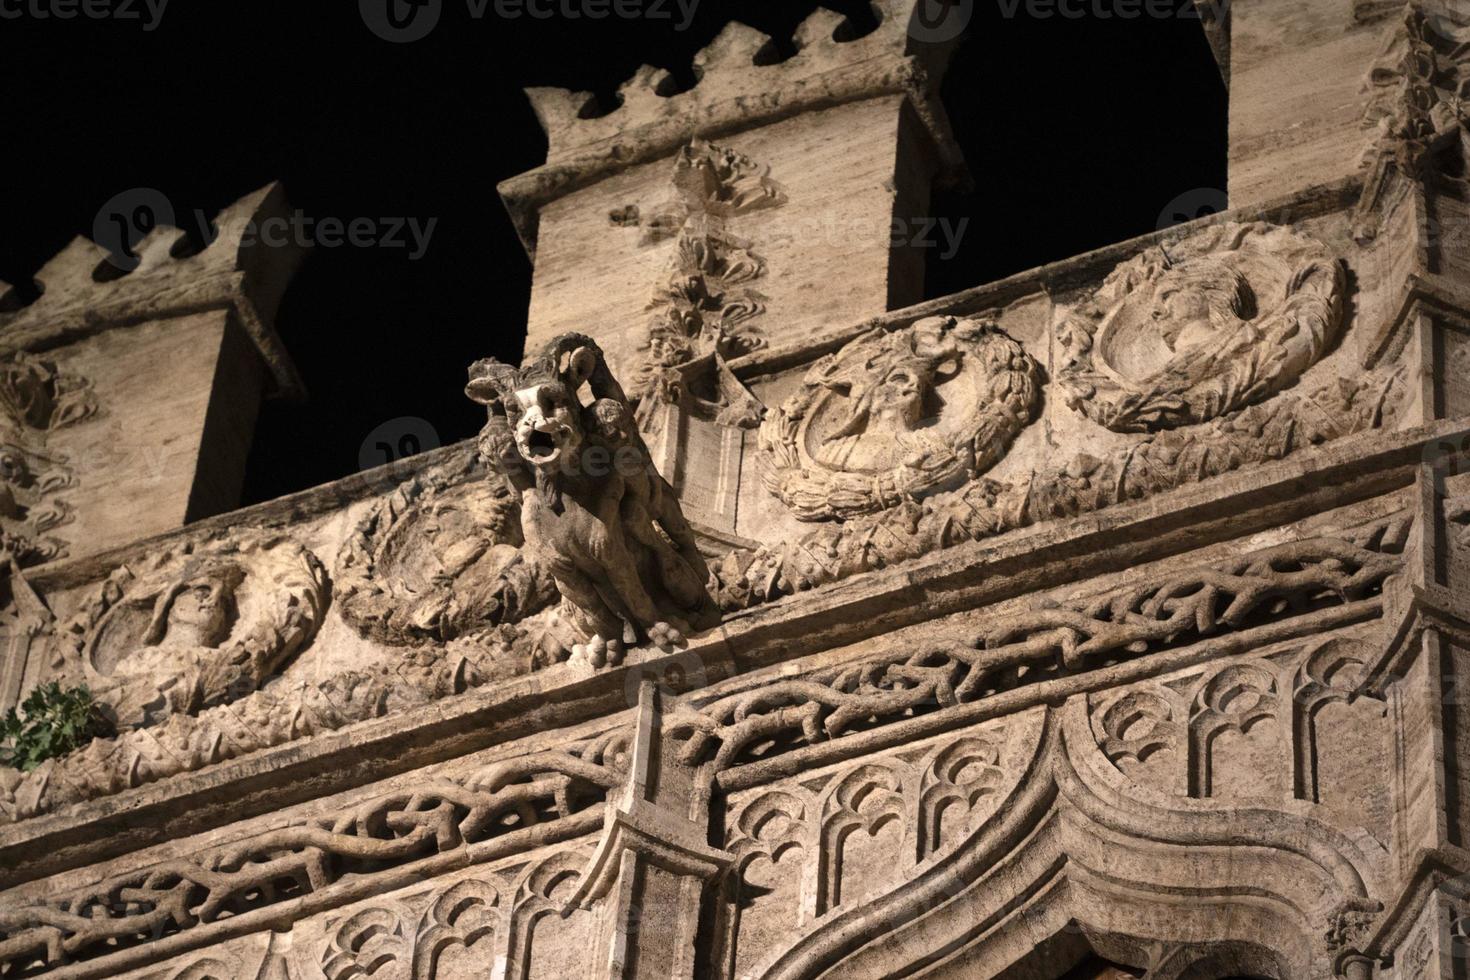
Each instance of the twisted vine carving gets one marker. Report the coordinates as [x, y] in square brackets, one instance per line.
[1043, 642]
[434, 815]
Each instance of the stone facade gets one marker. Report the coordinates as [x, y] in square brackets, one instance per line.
[1105, 621]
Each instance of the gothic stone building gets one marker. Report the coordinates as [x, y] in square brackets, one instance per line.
[1109, 620]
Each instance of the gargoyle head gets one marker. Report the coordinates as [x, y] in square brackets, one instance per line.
[550, 426]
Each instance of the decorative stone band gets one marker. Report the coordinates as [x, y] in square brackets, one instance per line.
[1050, 641]
[984, 508]
[525, 801]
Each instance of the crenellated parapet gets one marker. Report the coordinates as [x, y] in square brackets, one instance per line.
[85, 289]
[739, 88]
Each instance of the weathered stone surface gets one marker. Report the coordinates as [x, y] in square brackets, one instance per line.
[1106, 621]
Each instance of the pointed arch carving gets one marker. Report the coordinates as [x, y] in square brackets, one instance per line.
[1073, 843]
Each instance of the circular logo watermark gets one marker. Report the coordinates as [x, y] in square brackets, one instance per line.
[124, 220]
[940, 21]
[1192, 205]
[396, 440]
[401, 21]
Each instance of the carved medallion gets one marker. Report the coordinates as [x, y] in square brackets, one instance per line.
[195, 627]
[1200, 328]
[438, 558]
[897, 416]
[35, 399]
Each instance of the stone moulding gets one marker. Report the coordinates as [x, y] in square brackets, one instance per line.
[862, 435]
[1162, 462]
[733, 96]
[1047, 642]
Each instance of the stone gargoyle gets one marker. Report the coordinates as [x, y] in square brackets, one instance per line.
[594, 511]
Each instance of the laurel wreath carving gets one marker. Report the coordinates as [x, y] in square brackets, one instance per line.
[1008, 402]
[1286, 299]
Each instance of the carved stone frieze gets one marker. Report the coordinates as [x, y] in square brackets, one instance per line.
[195, 627]
[899, 416]
[1085, 483]
[594, 511]
[1050, 640]
[439, 558]
[36, 398]
[436, 816]
[704, 306]
[1196, 329]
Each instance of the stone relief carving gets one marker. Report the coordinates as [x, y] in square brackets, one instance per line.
[36, 398]
[1196, 329]
[440, 558]
[196, 627]
[899, 416]
[1048, 812]
[594, 511]
[704, 308]
[434, 816]
[1419, 90]
[1085, 483]
[1049, 640]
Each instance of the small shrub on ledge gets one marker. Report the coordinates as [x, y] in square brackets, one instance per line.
[51, 722]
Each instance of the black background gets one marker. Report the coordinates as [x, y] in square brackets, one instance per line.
[1079, 132]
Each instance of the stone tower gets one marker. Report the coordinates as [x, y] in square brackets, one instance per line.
[1105, 621]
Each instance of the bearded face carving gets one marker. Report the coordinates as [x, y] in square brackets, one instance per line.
[594, 511]
[895, 416]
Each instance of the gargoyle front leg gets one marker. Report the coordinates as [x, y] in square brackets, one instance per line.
[594, 617]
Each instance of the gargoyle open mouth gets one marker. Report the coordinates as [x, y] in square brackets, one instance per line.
[539, 447]
[540, 444]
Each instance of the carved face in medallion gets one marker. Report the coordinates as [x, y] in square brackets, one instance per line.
[1216, 321]
[894, 416]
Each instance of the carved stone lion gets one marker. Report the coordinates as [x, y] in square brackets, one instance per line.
[594, 511]
[897, 416]
[195, 627]
[1200, 328]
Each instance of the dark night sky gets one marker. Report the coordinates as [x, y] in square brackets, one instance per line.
[1079, 132]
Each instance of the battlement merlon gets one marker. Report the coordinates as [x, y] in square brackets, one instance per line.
[735, 93]
[240, 269]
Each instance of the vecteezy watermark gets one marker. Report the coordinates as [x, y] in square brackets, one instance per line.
[396, 440]
[939, 21]
[148, 13]
[127, 217]
[404, 21]
[300, 229]
[1210, 11]
[839, 231]
[1193, 205]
